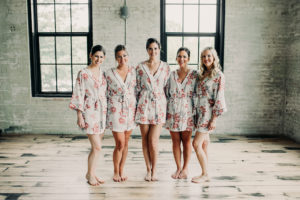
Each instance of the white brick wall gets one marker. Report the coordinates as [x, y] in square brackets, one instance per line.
[292, 108]
[261, 65]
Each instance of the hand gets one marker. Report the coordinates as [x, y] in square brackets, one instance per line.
[211, 125]
[80, 121]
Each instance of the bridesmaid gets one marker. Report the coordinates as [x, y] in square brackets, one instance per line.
[180, 118]
[121, 83]
[210, 105]
[89, 100]
[152, 76]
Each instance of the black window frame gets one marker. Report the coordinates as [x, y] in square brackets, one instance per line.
[36, 82]
[219, 34]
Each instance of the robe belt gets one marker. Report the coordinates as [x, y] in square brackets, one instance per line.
[123, 99]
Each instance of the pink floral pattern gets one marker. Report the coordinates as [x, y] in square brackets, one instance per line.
[121, 100]
[180, 113]
[152, 103]
[89, 96]
[209, 100]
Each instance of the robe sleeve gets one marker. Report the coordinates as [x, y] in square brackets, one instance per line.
[77, 100]
[220, 106]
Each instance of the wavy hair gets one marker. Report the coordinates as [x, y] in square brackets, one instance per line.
[216, 64]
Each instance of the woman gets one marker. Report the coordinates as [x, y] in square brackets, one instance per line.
[89, 100]
[152, 76]
[210, 105]
[121, 83]
[180, 115]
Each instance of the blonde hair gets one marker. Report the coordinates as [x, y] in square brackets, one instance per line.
[216, 64]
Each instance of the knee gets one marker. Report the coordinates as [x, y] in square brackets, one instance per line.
[96, 148]
[120, 146]
[205, 144]
[186, 142]
[153, 145]
[195, 145]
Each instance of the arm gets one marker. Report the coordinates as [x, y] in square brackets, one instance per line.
[77, 100]
[220, 106]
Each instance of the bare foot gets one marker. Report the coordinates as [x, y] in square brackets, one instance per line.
[123, 177]
[196, 177]
[148, 176]
[99, 180]
[176, 174]
[201, 179]
[91, 180]
[154, 177]
[117, 178]
[183, 174]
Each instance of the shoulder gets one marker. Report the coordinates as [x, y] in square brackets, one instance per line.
[108, 72]
[195, 73]
[220, 74]
[165, 64]
[83, 73]
[132, 69]
[173, 73]
[139, 66]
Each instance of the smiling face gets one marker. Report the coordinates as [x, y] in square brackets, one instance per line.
[182, 59]
[97, 58]
[153, 50]
[207, 59]
[122, 57]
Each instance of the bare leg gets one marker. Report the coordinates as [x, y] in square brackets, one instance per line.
[95, 141]
[199, 139]
[117, 155]
[144, 131]
[153, 138]
[124, 155]
[176, 141]
[205, 147]
[187, 151]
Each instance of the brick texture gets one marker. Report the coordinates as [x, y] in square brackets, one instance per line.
[261, 65]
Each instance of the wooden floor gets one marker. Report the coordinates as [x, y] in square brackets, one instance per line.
[53, 167]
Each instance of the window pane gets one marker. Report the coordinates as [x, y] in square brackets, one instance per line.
[206, 42]
[192, 44]
[208, 18]
[48, 78]
[79, 50]
[62, 1]
[174, 43]
[173, 18]
[63, 18]
[63, 50]
[79, 1]
[174, 1]
[47, 54]
[76, 69]
[190, 18]
[44, 1]
[45, 18]
[190, 1]
[208, 1]
[80, 20]
[64, 82]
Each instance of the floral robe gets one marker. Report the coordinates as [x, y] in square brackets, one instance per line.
[121, 100]
[89, 96]
[152, 103]
[180, 113]
[209, 100]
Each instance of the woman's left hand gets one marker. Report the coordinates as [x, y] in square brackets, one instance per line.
[211, 125]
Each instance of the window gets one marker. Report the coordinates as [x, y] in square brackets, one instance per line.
[60, 38]
[194, 24]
